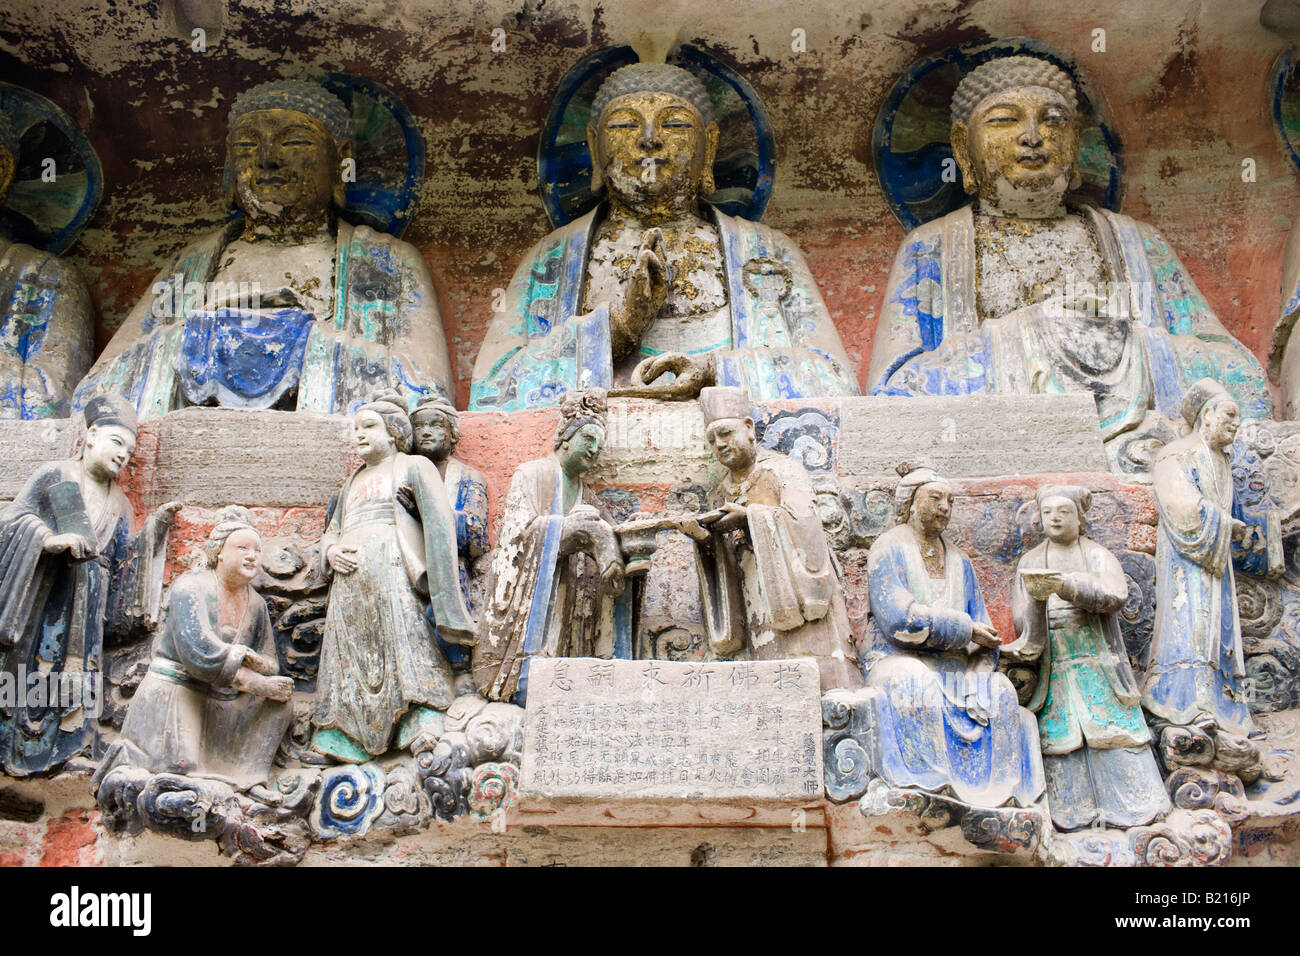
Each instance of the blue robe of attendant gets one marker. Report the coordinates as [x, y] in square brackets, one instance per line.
[1196, 665]
[54, 612]
[924, 733]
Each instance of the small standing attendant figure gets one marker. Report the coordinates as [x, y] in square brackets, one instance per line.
[1096, 744]
[70, 570]
[557, 584]
[211, 704]
[771, 588]
[394, 576]
[1194, 680]
[437, 433]
[946, 721]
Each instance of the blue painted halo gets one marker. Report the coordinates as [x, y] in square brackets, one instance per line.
[743, 171]
[1285, 88]
[389, 150]
[910, 140]
[48, 215]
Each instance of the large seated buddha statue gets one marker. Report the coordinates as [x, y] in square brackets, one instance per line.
[655, 293]
[46, 316]
[287, 306]
[1022, 292]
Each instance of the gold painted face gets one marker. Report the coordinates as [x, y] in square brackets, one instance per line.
[1026, 138]
[653, 151]
[286, 166]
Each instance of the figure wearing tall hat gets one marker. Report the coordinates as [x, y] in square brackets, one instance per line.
[1195, 677]
[770, 585]
[71, 570]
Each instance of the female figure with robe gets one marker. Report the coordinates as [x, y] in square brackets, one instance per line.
[70, 569]
[394, 578]
[211, 705]
[1096, 744]
[557, 571]
[944, 719]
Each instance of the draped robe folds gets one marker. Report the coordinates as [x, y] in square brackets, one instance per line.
[542, 602]
[468, 498]
[186, 717]
[385, 332]
[1097, 759]
[783, 342]
[1196, 664]
[46, 332]
[776, 592]
[924, 685]
[379, 656]
[54, 613]
[931, 340]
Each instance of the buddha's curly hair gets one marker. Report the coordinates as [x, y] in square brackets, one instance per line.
[652, 78]
[578, 409]
[1006, 73]
[302, 96]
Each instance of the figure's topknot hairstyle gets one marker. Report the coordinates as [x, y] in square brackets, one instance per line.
[1005, 73]
[652, 78]
[301, 96]
[578, 409]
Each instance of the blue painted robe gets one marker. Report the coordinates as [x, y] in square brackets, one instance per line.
[185, 716]
[1196, 664]
[542, 602]
[54, 612]
[47, 334]
[931, 341]
[467, 494]
[385, 332]
[783, 342]
[926, 685]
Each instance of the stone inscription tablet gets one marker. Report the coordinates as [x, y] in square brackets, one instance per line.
[659, 730]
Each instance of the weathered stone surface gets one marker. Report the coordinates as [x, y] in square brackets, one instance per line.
[662, 730]
[972, 436]
[212, 456]
[25, 445]
[649, 442]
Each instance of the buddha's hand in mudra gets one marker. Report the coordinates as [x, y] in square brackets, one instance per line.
[643, 296]
[692, 374]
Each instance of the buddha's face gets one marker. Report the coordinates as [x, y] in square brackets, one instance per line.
[1219, 423]
[1060, 518]
[932, 507]
[108, 449]
[373, 441]
[8, 164]
[432, 436]
[286, 166]
[1019, 141]
[651, 149]
[240, 558]
[734, 442]
[578, 452]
